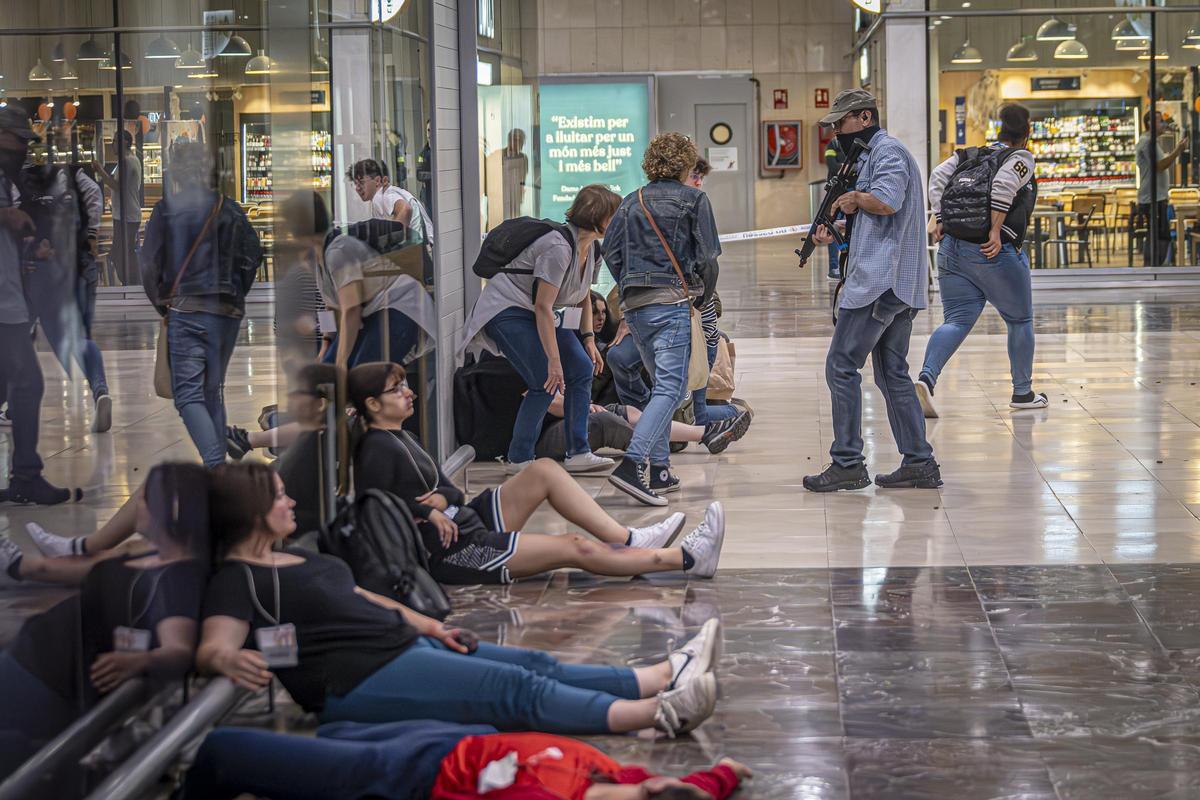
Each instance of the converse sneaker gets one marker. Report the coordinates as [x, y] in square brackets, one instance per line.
[662, 480]
[720, 434]
[912, 476]
[514, 467]
[36, 491]
[102, 415]
[52, 545]
[704, 543]
[633, 479]
[1030, 400]
[658, 535]
[682, 710]
[836, 478]
[698, 656]
[924, 386]
[237, 442]
[587, 463]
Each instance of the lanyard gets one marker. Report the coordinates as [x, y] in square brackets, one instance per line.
[149, 598]
[408, 454]
[274, 620]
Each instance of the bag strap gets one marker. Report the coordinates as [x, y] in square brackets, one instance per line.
[667, 247]
[195, 246]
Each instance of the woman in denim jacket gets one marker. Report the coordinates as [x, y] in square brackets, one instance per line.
[655, 304]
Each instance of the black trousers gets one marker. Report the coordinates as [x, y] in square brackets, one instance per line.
[1158, 241]
[21, 372]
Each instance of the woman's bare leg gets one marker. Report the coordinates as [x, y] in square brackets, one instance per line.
[537, 553]
[545, 480]
[67, 570]
[119, 527]
[283, 436]
[680, 431]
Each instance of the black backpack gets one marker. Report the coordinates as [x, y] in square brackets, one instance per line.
[376, 536]
[509, 239]
[966, 203]
[487, 396]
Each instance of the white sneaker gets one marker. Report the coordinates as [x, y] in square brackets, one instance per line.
[925, 395]
[5, 422]
[50, 544]
[704, 543]
[513, 467]
[10, 554]
[658, 535]
[682, 710]
[586, 463]
[696, 657]
[1031, 400]
[102, 417]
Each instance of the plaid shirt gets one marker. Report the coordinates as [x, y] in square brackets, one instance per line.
[888, 252]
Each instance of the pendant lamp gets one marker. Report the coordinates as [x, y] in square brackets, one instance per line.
[1071, 50]
[1055, 30]
[40, 73]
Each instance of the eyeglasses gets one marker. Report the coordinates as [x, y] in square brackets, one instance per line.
[397, 389]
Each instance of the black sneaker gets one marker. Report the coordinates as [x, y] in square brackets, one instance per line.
[836, 478]
[634, 480]
[722, 433]
[36, 491]
[678, 447]
[662, 480]
[913, 476]
[1030, 400]
[237, 442]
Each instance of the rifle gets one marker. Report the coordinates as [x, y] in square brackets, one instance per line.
[843, 181]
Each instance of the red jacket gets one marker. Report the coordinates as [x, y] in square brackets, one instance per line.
[550, 768]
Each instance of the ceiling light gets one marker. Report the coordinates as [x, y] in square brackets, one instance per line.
[1125, 29]
[68, 73]
[162, 48]
[967, 54]
[1191, 39]
[259, 65]
[40, 73]
[236, 47]
[59, 52]
[207, 72]
[190, 59]
[75, 102]
[1130, 45]
[90, 51]
[126, 63]
[1071, 50]
[1022, 50]
[1161, 55]
[320, 65]
[1055, 30]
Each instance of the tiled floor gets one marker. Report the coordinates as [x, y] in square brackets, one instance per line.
[1030, 630]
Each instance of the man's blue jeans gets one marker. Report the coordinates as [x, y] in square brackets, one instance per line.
[402, 335]
[53, 292]
[507, 687]
[626, 364]
[968, 279]
[515, 331]
[200, 346]
[880, 330]
[663, 336]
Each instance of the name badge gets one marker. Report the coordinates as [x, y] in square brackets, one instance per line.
[451, 512]
[131, 640]
[278, 645]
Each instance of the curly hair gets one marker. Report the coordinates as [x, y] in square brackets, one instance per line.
[669, 156]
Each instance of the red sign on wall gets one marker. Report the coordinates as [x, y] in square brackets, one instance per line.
[821, 98]
[781, 98]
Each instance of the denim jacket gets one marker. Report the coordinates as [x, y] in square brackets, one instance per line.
[635, 256]
[224, 263]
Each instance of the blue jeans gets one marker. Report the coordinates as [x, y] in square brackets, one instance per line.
[968, 279]
[706, 414]
[880, 330]
[626, 364]
[663, 336]
[402, 335]
[54, 298]
[201, 345]
[515, 331]
[509, 688]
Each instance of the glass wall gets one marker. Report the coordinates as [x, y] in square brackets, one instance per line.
[1089, 81]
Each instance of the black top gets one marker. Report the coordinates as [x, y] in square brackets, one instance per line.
[48, 644]
[343, 637]
[395, 462]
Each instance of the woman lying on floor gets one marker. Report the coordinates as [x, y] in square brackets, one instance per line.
[351, 655]
[439, 760]
[479, 541]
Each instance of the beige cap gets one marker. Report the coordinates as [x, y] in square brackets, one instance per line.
[848, 100]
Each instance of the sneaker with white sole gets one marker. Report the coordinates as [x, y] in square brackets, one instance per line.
[587, 464]
[663, 480]
[924, 389]
[1031, 400]
[698, 656]
[659, 535]
[682, 710]
[52, 545]
[102, 416]
[5, 422]
[705, 542]
[10, 558]
[513, 467]
[633, 478]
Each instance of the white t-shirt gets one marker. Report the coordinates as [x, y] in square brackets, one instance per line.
[384, 202]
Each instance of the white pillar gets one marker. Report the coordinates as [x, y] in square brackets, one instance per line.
[906, 80]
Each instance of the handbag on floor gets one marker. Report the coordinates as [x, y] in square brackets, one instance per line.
[697, 377]
[162, 352]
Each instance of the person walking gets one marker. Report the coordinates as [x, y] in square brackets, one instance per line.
[884, 288]
[981, 222]
[199, 260]
[658, 238]
[126, 206]
[1156, 166]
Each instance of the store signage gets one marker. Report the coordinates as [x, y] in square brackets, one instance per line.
[384, 10]
[781, 98]
[590, 133]
[820, 98]
[960, 120]
[1057, 83]
[317, 97]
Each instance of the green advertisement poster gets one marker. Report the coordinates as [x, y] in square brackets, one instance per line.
[591, 133]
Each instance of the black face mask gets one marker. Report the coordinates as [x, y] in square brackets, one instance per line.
[11, 162]
[847, 139]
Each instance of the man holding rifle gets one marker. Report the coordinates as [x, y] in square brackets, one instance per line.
[885, 285]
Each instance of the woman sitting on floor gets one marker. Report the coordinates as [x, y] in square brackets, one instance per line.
[352, 655]
[479, 541]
